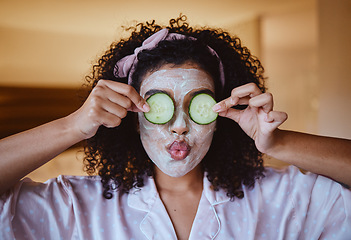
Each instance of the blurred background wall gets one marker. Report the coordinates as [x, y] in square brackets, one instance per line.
[49, 46]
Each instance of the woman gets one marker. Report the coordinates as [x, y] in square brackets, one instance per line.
[178, 179]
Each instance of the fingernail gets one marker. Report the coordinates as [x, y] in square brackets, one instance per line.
[146, 107]
[268, 119]
[216, 108]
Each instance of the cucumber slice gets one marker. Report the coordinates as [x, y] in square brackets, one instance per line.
[161, 108]
[200, 109]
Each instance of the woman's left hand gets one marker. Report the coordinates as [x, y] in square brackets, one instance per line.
[258, 120]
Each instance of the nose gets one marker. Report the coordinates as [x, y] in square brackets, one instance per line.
[180, 124]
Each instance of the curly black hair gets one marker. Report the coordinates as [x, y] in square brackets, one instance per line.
[117, 154]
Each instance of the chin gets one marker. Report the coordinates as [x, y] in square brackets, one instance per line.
[177, 173]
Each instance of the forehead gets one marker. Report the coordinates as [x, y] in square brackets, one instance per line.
[177, 79]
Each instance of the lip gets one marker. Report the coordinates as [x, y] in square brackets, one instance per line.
[179, 150]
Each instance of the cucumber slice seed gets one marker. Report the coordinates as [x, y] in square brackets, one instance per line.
[161, 108]
[200, 109]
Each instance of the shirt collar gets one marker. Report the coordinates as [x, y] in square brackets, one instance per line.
[144, 198]
[214, 197]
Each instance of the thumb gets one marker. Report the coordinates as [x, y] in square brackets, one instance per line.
[231, 113]
[276, 118]
[135, 108]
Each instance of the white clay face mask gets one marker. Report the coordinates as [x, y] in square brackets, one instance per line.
[178, 146]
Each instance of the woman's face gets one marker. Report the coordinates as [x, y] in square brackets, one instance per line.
[178, 146]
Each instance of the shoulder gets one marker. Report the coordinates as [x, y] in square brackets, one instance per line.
[77, 187]
[78, 182]
[297, 178]
[288, 176]
[305, 191]
[291, 185]
[293, 179]
[62, 187]
[63, 182]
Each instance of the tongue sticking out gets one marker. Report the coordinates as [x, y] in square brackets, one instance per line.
[179, 150]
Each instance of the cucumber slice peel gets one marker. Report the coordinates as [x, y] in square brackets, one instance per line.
[200, 109]
[161, 108]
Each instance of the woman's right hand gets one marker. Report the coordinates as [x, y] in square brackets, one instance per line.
[106, 105]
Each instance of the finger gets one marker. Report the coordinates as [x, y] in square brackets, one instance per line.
[114, 108]
[102, 117]
[107, 94]
[130, 92]
[122, 100]
[225, 104]
[100, 103]
[239, 95]
[230, 102]
[231, 113]
[134, 108]
[109, 120]
[243, 101]
[276, 117]
[249, 89]
[264, 101]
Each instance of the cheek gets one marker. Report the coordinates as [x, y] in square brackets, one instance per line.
[150, 133]
[203, 134]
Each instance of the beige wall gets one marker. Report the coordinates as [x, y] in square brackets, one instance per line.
[334, 48]
[289, 54]
[34, 57]
[67, 163]
[249, 32]
[52, 43]
[306, 54]
[307, 57]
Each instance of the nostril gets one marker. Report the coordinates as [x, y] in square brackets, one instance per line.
[180, 132]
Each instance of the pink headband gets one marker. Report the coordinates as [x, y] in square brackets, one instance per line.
[127, 64]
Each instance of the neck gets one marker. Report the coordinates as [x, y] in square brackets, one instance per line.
[192, 181]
